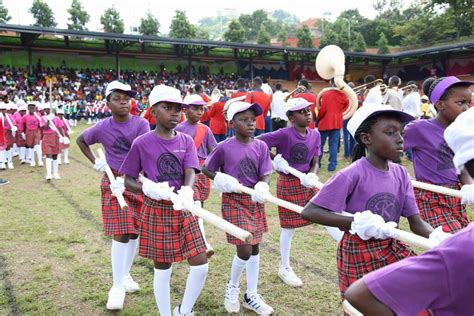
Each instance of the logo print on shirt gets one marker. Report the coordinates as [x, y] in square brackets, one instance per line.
[445, 156]
[121, 146]
[384, 204]
[247, 168]
[298, 153]
[169, 168]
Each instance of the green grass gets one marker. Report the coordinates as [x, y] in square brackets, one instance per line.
[58, 262]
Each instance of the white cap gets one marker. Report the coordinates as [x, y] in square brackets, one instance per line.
[425, 98]
[20, 103]
[240, 106]
[11, 106]
[371, 109]
[22, 108]
[3, 106]
[460, 138]
[295, 104]
[162, 93]
[117, 85]
[60, 111]
[194, 99]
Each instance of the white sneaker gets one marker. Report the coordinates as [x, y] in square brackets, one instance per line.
[40, 163]
[256, 303]
[56, 176]
[176, 312]
[32, 163]
[10, 165]
[59, 162]
[116, 299]
[49, 177]
[231, 301]
[289, 277]
[130, 285]
[66, 161]
[2, 166]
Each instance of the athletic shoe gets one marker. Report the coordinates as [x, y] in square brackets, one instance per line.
[32, 163]
[59, 162]
[66, 161]
[130, 285]
[256, 303]
[3, 182]
[40, 163]
[231, 301]
[2, 166]
[10, 165]
[49, 177]
[116, 298]
[176, 312]
[56, 176]
[289, 277]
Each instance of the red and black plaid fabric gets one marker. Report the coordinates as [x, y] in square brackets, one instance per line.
[442, 210]
[202, 187]
[50, 144]
[33, 137]
[357, 257]
[9, 139]
[167, 235]
[116, 221]
[240, 210]
[20, 142]
[290, 189]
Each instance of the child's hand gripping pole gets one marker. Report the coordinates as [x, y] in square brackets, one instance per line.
[437, 189]
[300, 174]
[210, 217]
[118, 195]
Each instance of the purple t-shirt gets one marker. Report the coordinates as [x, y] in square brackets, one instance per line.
[298, 150]
[361, 186]
[116, 137]
[208, 142]
[432, 157]
[161, 159]
[440, 279]
[246, 162]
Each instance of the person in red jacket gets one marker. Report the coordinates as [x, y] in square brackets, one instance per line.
[262, 99]
[308, 96]
[198, 89]
[332, 105]
[217, 121]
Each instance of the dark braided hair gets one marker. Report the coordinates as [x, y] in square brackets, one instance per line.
[430, 84]
[469, 166]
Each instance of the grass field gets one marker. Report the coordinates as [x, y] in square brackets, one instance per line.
[55, 260]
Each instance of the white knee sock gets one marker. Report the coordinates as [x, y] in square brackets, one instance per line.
[59, 159]
[30, 154]
[55, 166]
[131, 250]
[118, 262]
[23, 153]
[9, 156]
[196, 279]
[161, 288]
[253, 266]
[66, 155]
[238, 266]
[286, 236]
[39, 152]
[49, 163]
[2, 156]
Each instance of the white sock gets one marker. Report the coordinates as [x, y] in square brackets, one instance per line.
[286, 236]
[55, 166]
[161, 288]
[2, 156]
[118, 262]
[9, 155]
[66, 154]
[22, 153]
[39, 153]
[253, 266]
[59, 158]
[196, 279]
[30, 154]
[238, 266]
[49, 163]
[131, 251]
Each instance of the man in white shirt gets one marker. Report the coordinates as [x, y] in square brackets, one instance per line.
[269, 91]
[278, 109]
[412, 101]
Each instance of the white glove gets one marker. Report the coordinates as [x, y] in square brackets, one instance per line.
[50, 116]
[157, 191]
[261, 192]
[14, 129]
[66, 140]
[309, 180]
[118, 186]
[61, 139]
[467, 191]
[23, 135]
[100, 164]
[225, 183]
[280, 164]
[368, 225]
[183, 199]
[438, 235]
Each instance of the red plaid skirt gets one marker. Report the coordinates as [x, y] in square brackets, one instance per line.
[33, 137]
[20, 142]
[202, 187]
[9, 140]
[442, 210]
[290, 189]
[116, 221]
[167, 235]
[50, 144]
[357, 257]
[240, 210]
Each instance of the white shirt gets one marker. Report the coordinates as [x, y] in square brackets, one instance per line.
[374, 96]
[278, 106]
[412, 104]
[267, 89]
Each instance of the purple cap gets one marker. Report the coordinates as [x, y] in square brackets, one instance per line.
[444, 85]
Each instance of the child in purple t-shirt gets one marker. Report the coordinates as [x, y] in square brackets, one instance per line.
[375, 190]
[169, 158]
[242, 159]
[298, 147]
[116, 134]
[433, 159]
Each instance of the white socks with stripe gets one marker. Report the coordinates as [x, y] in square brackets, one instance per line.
[118, 253]
[253, 265]
[161, 288]
[130, 254]
[286, 236]
[196, 279]
[238, 266]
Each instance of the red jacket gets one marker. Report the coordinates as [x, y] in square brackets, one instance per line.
[333, 103]
[205, 116]
[310, 97]
[2, 133]
[217, 120]
[264, 100]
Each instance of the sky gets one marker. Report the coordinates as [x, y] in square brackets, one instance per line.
[133, 11]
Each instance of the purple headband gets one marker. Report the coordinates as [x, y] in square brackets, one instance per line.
[444, 85]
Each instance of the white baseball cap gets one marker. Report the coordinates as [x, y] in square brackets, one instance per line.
[371, 109]
[117, 85]
[295, 104]
[20, 103]
[194, 99]
[460, 138]
[162, 93]
[240, 106]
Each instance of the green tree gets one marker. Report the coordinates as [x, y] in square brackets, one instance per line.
[358, 45]
[252, 22]
[235, 32]
[4, 17]
[202, 34]
[181, 27]
[149, 25]
[263, 37]
[382, 44]
[283, 36]
[78, 16]
[42, 14]
[305, 40]
[328, 38]
[111, 21]
[462, 12]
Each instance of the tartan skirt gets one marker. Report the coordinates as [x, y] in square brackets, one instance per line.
[290, 189]
[202, 187]
[240, 210]
[442, 210]
[33, 137]
[20, 142]
[357, 257]
[167, 235]
[116, 221]
[9, 139]
[50, 144]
